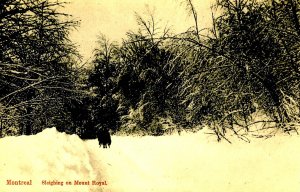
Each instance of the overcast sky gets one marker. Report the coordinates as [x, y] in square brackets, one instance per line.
[115, 17]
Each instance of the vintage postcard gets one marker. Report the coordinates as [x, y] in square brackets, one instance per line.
[149, 95]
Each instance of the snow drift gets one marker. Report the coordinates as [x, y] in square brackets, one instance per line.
[48, 159]
[191, 162]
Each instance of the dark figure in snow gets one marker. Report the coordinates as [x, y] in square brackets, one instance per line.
[104, 138]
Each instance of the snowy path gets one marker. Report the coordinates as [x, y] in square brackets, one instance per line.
[170, 163]
[186, 163]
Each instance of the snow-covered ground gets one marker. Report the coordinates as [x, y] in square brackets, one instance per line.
[190, 162]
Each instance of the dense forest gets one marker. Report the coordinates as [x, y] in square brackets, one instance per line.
[154, 82]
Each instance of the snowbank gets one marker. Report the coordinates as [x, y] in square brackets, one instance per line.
[47, 159]
[191, 162]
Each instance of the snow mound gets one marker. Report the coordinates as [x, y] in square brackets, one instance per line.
[47, 159]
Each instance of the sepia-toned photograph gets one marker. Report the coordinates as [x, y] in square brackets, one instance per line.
[149, 95]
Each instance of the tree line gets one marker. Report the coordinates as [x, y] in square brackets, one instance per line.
[245, 66]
